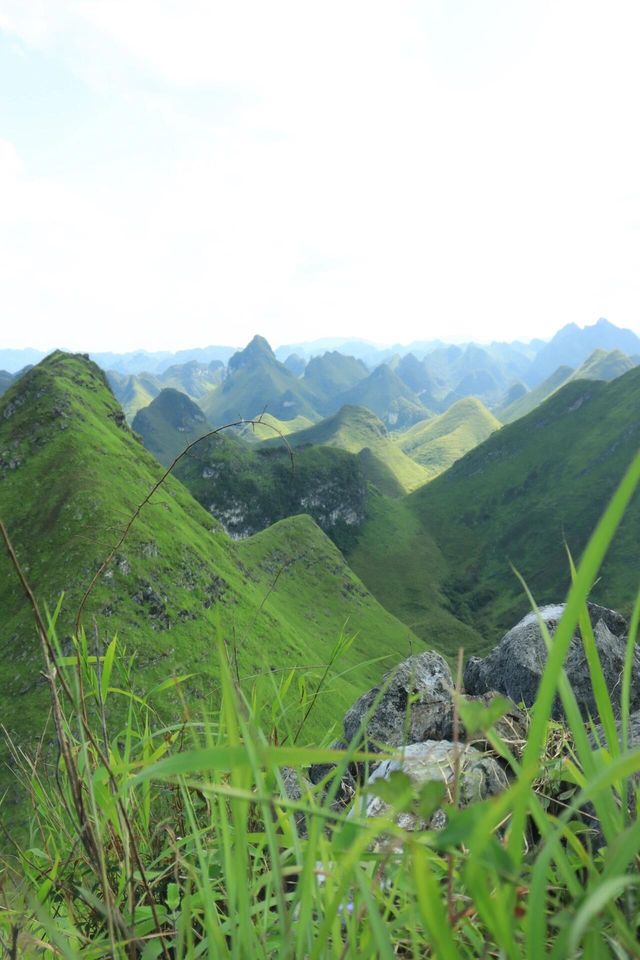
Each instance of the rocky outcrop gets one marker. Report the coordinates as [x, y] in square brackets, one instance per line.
[412, 704]
[468, 776]
[514, 667]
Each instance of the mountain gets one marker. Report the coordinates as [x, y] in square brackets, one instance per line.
[133, 391]
[6, 379]
[572, 345]
[330, 375]
[13, 360]
[256, 382]
[136, 390]
[459, 372]
[170, 422]
[415, 374]
[440, 441]
[140, 361]
[295, 364]
[533, 398]
[600, 365]
[71, 475]
[358, 431]
[516, 499]
[270, 427]
[249, 488]
[193, 378]
[604, 365]
[384, 393]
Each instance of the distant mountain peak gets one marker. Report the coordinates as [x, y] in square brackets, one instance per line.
[255, 351]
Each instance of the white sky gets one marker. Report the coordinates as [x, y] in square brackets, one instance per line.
[175, 173]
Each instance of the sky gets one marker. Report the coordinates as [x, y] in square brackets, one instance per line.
[176, 173]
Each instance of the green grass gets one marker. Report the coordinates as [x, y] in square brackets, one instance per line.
[178, 580]
[269, 426]
[356, 429]
[438, 442]
[514, 501]
[189, 846]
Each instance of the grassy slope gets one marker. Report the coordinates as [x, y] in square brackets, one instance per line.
[440, 441]
[604, 365]
[525, 404]
[600, 365]
[178, 579]
[133, 391]
[355, 429]
[271, 426]
[514, 499]
[249, 488]
[170, 422]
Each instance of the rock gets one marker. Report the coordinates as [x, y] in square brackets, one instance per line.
[295, 786]
[346, 788]
[514, 667]
[424, 679]
[479, 776]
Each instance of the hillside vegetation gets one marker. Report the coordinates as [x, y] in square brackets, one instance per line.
[440, 441]
[516, 499]
[71, 475]
[358, 430]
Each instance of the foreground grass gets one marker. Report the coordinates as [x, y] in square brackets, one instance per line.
[179, 842]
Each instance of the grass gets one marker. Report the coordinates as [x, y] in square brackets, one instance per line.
[438, 442]
[356, 429]
[279, 600]
[515, 501]
[190, 846]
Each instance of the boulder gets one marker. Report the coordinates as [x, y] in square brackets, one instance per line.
[514, 667]
[346, 788]
[295, 787]
[479, 776]
[412, 704]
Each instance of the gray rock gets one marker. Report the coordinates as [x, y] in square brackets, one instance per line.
[514, 667]
[413, 704]
[346, 788]
[295, 786]
[479, 776]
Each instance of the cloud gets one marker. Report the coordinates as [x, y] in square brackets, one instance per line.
[387, 171]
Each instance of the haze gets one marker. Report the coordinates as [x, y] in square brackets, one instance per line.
[176, 174]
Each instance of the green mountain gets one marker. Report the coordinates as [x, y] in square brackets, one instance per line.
[71, 475]
[6, 379]
[599, 365]
[249, 488]
[384, 393]
[359, 431]
[133, 391]
[604, 365]
[330, 375]
[523, 405]
[447, 550]
[269, 427]
[572, 345]
[439, 442]
[256, 382]
[170, 422]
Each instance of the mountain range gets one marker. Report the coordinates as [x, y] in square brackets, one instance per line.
[385, 502]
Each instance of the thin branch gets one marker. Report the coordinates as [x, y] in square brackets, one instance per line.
[136, 513]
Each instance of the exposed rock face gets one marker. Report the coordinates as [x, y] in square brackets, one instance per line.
[514, 667]
[415, 705]
[479, 777]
